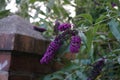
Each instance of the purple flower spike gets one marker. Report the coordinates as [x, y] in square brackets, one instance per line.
[75, 44]
[39, 29]
[47, 57]
[52, 48]
[97, 68]
[64, 26]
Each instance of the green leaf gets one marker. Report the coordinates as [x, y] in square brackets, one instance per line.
[70, 67]
[63, 49]
[56, 77]
[50, 3]
[63, 12]
[91, 52]
[81, 75]
[18, 1]
[4, 13]
[116, 50]
[78, 2]
[47, 77]
[32, 1]
[118, 59]
[115, 28]
[85, 61]
[66, 2]
[101, 18]
[2, 4]
[56, 10]
[87, 17]
[83, 37]
[69, 77]
[90, 37]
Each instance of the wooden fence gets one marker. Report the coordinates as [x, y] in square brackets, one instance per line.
[21, 48]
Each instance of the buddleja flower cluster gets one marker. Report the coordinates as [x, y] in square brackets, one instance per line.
[66, 33]
[97, 68]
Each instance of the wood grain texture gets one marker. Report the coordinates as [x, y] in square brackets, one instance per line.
[5, 59]
[18, 34]
[30, 45]
[6, 41]
[21, 48]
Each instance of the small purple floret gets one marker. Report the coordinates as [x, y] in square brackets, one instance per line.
[75, 44]
[97, 68]
[113, 4]
[64, 26]
[57, 23]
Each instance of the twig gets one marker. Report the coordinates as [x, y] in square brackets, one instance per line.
[69, 75]
[109, 46]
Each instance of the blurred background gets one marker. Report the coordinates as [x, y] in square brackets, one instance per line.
[98, 23]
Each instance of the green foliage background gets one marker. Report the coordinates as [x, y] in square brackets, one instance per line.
[98, 22]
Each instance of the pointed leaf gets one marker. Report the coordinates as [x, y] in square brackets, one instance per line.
[115, 28]
[102, 17]
[87, 17]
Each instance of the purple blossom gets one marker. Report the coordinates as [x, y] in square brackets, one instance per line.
[75, 44]
[65, 35]
[58, 41]
[47, 57]
[113, 4]
[97, 68]
[57, 23]
[64, 26]
[39, 29]
[50, 52]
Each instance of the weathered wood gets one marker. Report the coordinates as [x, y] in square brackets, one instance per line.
[5, 59]
[6, 41]
[28, 44]
[17, 25]
[4, 75]
[19, 35]
[28, 63]
[21, 48]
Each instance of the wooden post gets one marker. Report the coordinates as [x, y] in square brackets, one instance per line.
[21, 48]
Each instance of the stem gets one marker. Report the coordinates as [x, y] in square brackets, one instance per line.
[109, 46]
[66, 78]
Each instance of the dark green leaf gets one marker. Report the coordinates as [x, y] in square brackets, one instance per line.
[47, 77]
[71, 67]
[32, 1]
[83, 37]
[81, 75]
[18, 1]
[56, 77]
[4, 13]
[2, 4]
[115, 28]
[56, 10]
[87, 17]
[66, 2]
[101, 18]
